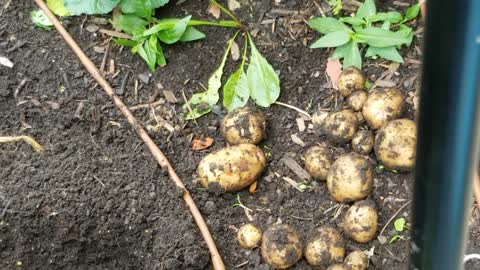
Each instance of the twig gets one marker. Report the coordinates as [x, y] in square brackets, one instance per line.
[147, 105]
[294, 108]
[393, 216]
[162, 160]
[114, 34]
[100, 181]
[19, 87]
[24, 138]
[104, 59]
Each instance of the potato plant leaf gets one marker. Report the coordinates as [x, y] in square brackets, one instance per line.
[148, 51]
[399, 224]
[58, 7]
[392, 17]
[379, 37]
[143, 8]
[173, 34]
[412, 12]
[125, 42]
[366, 10]
[330, 40]
[129, 23]
[352, 20]
[389, 53]
[40, 19]
[77, 7]
[191, 34]
[327, 25]
[235, 90]
[351, 55]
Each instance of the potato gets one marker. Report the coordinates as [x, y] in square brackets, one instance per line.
[350, 178]
[362, 142]
[356, 100]
[395, 145]
[360, 118]
[243, 125]
[281, 246]
[318, 161]
[231, 168]
[351, 79]
[382, 105]
[326, 247]
[338, 266]
[341, 126]
[249, 236]
[356, 260]
[360, 222]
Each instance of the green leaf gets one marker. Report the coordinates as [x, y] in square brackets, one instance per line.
[192, 34]
[389, 53]
[352, 21]
[406, 32]
[40, 19]
[58, 7]
[172, 35]
[386, 25]
[143, 8]
[392, 17]
[327, 25]
[77, 7]
[336, 5]
[125, 42]
[412, 12]
[379, 37]
[399, 224]
[129, 23]
[395, 238]
[235, 90]
[366, 10]
[148, 51]
[339, 52]
[161, 61]
[331, 40]
[351, 55]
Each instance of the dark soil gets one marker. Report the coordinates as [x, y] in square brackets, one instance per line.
[96, 199]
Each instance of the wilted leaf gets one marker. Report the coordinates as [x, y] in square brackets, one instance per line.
[58, 7]
[201, 143]
[214, 10]
[334, 68]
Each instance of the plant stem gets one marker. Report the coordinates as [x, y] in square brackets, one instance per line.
[217, 23]
[228, 12]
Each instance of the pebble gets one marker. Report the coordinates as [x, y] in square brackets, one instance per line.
[144, 77]
[92, 28]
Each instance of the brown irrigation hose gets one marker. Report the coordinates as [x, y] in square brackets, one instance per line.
[156, 152]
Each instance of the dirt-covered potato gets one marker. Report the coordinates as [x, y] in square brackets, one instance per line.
[351, 79]
[325, 248]
[249, 236]
[356, 260]
[360, 117]
[318, 161]
[356, 100]
[341, 126]
[350, 178]
[243, 125]
[382, 105]
[360, 222]
[281, 246]
[395, 144]
[362, 142]
[338, 266]
[231, 168]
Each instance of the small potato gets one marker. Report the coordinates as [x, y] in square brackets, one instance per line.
[395, 144]
[243, 125]
[231, 168]
[325, 248]
[356, 100]
[360, 118]
[362, 142]
[341, 126]
[281, 246]
[356, 260]
[360, 222]
[351, 79]
[318, 161]
[382, 105]
[338, 266]
[249, 236]
[350, 178]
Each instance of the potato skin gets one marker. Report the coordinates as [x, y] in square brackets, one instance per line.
[231, 168]
[382, 106]
[351, 79]
[395, 144]
[362, 142]
[356, 260]
[243, 125]
[281, 246]
[327, 246]
[350, 178]
[249, 236]
[341, 126]
[356, 100]
[338, 266]
[318, 161]
[360, 222]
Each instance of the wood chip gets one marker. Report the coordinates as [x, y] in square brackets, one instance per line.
[114, 34]
[214, 10]
[301, 124]
[170, 97]
[297, 140]
[296, 168]
[233, 5]
[293, 183]
[384, 83]
[201, 143]
[6, 62]
[111, 66]
[235, 51]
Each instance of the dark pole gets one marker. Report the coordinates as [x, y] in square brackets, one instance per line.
[448, 134]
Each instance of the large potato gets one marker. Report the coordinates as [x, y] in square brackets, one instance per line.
[395, 144]
[350, 178]
[341, 126]
[356, 260]
[318, 161]
[361, 221]
[325, 248]
[243, 125]
[249, 236]
[281, 246]
[231, 168]
[351, 79]
[382, 105]
[362, 142]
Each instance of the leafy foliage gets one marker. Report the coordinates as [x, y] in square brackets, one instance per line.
[382, 33]
[40, 19]
[336, 5]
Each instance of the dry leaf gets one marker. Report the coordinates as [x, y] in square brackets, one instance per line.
[233, 5]
[235, 51]
[253, 187]
[201, 143]
[214, 10]
[5, 62]
[334, 68]
[297, 140]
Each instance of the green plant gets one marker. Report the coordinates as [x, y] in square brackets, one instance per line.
[336, 5]
[382, 33]
[400, 225]
[40, 19]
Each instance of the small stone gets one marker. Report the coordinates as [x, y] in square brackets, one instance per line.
[144, 77]
[92, 28]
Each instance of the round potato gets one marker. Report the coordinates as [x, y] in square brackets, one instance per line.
[351, 79]
[231, 168]
[382, 105]
[395, 144]
[356, 260]
[249, 236]
[350, 178]
[341, 126]
[326, 247]
[362, 142]
[318, 161]
[243, 125]
[338, 266]
[281, 246]
[360, 222]
[356, 100]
